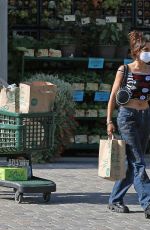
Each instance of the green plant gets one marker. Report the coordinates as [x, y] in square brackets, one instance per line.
[109, 77]
[12, 14]
[81, 130]
[23, 41]
[109, 34]
[91, 76]
[47, 43]
[111, 4]
[95, 131]
[64, 7]
[123, 38]
[82, 106]
[64, 108]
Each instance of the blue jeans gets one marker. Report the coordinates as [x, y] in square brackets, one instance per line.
[134, 128]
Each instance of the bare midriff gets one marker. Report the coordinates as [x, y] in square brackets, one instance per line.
[137, 104]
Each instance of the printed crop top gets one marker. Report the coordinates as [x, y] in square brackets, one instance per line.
[139, 85]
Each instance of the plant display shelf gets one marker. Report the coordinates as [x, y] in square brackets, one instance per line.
[26, 59]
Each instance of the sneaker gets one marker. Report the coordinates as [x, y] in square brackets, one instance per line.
[118, 207]
[147, 212]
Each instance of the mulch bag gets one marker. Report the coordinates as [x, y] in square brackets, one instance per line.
[112, 159]
[37, 96]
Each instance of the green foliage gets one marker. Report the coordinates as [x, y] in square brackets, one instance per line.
[64, 108]
[109, 34]
[81, 77]
[123, 38]
[111, 4]
[82, 130]
[23, 41]
[109, 77]
[31, 43]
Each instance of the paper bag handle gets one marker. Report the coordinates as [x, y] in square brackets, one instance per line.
[112, 137]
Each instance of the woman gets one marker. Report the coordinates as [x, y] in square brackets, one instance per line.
[133, 123]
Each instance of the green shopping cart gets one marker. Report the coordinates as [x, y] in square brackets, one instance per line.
[20, 135]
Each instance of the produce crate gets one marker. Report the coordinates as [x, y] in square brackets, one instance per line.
[25, 132]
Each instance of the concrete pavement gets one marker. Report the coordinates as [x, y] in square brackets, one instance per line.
[80, 202]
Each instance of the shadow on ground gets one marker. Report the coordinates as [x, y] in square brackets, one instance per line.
[70, 198]
[89, 198]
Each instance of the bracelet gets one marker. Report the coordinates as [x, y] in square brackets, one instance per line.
[109, 122]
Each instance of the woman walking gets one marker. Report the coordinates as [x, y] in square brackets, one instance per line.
[133, 123]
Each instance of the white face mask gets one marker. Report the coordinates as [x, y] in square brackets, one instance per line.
[145, 57]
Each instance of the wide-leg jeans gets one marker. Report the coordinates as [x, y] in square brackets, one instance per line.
[134, 128]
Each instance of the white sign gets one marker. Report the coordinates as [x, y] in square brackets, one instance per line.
[85, 21]
[69, 18]
[120, 26]
[100, 21]
[111, 19]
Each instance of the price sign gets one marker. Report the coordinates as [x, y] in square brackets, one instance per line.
[111, 19]
[85, 21]
[100, 21]
[96, 63]
[102, 96]
[78, 95]
[69, 18]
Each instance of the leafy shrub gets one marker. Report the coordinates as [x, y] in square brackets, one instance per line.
[64, 108]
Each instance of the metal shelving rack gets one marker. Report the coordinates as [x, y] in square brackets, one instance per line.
[135, 12]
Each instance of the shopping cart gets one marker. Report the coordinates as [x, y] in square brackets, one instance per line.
[20, 135]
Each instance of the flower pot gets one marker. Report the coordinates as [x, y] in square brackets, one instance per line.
[106, 51]
[122, 51]
[68, 50]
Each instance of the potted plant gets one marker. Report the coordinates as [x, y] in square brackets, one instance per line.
[122, 49]
[70, 39]
[111, 6]
[108, 40]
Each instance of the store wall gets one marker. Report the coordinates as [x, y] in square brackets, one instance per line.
[3, 39]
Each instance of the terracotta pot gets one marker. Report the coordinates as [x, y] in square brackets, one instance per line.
[122, 51]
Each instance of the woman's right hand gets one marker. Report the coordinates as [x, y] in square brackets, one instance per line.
[110, 130]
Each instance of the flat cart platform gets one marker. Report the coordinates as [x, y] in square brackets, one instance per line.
[34, 185]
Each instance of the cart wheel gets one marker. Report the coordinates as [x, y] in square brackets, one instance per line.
[14, 189]
[18, 197]
[46, 197]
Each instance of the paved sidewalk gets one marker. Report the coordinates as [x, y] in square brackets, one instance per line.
[80, 202]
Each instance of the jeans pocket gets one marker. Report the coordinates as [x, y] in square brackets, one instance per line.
[125, 119]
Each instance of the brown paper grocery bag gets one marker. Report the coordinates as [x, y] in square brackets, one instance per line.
[112, 159]
[37, 96]
[9, 99]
